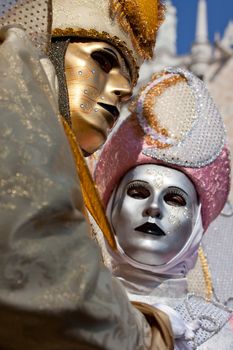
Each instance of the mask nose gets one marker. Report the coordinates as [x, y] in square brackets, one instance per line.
[122, 89]
[153, 211]
[124, 93]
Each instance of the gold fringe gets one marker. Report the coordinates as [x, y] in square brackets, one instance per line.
[91, 197]
[207, 275]
[133, 21]
[148, 108]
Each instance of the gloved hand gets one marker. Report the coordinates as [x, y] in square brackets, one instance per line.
[182, 331]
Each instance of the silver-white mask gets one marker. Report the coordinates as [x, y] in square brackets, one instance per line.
[153, 213]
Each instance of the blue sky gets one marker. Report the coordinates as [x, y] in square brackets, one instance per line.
[219, 14]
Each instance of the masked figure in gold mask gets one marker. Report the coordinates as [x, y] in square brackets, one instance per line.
[97, 51]
[98, 80]
[55, 292]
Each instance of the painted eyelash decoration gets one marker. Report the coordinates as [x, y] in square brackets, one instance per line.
[175, 190]
[137, 183]
[178, 192]
[138, 190]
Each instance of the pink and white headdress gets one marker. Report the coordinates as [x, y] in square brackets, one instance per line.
[174, 122]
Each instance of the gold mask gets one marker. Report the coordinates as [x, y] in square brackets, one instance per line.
[97, 81]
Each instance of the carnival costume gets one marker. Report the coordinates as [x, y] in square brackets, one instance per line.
[174, 123]
[130, 26]
[54, 291]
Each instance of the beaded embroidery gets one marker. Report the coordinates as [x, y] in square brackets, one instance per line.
[211, 316]
[33, 16]
[202, 133]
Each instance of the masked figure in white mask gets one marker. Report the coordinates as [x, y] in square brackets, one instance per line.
[163, 178]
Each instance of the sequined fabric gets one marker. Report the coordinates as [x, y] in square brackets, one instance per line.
[221, 340]
[57, 55]
[196, 280]
[198, 135]
[130, 146]
[212, 319]
[33, 16]
[218, 245]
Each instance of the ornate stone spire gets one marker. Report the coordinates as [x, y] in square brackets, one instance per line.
[201, 50]
[166, 40]
[202, 23]
[227, 40]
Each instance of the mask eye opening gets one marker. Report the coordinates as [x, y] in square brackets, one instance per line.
[138, 190]
[175, 198]
[106, 60]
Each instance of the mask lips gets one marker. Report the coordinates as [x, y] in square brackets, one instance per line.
[150, 228]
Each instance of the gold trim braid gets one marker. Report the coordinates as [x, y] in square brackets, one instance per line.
[148, 109]
[91, 197]
[206, 274]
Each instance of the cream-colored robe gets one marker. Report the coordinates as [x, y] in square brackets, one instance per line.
[54, 291]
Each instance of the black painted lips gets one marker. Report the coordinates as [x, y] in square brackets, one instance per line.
[111, 109]
[151, 229]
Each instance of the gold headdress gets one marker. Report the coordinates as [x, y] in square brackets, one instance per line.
[130, 25]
